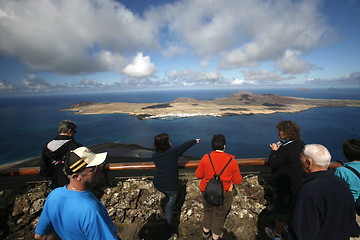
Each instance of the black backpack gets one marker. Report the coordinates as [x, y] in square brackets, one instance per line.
[214, 191]
[357, 202]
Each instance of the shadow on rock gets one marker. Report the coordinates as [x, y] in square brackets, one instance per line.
[155, 226]
[153, 229]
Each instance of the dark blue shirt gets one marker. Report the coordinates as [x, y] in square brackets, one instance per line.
[167, 175]
[324, 209]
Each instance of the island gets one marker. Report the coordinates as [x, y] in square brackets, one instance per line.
[239, 103]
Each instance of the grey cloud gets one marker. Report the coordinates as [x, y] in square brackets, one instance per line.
[138, 82]
[59, 36]
[244, 33]
[291, 64]
[5, 86]
[351, 80]
[35, 83]
[279, 25]
[264, 76]
[191, 78]
[83, 36]
[353, 77]
[87, 83]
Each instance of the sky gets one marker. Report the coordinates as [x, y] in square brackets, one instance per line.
[60, 45]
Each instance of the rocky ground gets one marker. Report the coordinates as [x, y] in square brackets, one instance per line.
[136, 209]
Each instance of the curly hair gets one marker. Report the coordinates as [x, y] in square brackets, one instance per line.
[290, 128]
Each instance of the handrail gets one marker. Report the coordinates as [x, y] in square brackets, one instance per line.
[181, 164]
[145, 166]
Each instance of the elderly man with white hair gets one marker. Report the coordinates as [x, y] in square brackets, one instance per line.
[324, 207]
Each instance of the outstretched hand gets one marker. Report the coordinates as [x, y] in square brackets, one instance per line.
[197, 140]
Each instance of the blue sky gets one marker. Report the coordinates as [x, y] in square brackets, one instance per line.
[54, 45]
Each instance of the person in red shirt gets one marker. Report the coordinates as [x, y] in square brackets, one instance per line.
[214, 216]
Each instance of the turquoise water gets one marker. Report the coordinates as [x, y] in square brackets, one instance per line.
[28, 122]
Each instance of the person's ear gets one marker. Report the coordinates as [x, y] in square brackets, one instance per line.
[76, 176]
[309, 163]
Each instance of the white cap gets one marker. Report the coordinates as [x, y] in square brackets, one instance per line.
[87, 158]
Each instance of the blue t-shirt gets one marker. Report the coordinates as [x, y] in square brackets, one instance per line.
[351, 178]
[75, 215]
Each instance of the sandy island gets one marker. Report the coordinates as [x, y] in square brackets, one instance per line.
[240, 103]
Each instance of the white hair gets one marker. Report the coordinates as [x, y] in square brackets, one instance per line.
[318, 153]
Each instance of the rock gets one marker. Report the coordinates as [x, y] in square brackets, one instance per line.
[136, 209]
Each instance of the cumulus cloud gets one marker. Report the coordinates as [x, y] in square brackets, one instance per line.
[291, 63]
[107, 60]
[140, 67]
[237, 82]
[59, 36]
[349, 79]
[84, 36]
[138, 82]
[173, 49]
[206, 27]
[5, 86]
[91, 83]
[191, 78]
[35, 83]
[279, 25]
[353, 77]
[229, 34]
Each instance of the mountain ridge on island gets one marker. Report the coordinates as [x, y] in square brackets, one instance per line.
[239, 103]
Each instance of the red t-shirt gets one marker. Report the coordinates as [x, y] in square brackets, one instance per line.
[219, 159]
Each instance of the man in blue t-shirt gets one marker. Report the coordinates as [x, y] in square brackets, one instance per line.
[72, 211]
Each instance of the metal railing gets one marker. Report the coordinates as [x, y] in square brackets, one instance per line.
[145, 166]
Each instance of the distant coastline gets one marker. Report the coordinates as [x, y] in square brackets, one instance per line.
[239, 103]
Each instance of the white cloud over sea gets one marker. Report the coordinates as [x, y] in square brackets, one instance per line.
[177, 79]
[140, 67]
[82, 37]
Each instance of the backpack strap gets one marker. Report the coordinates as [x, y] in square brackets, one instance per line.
[212, 163]
[353, 170]
[222, 169]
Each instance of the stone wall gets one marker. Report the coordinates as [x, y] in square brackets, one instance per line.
[137, 210]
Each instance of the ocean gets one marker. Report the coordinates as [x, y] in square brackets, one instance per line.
[28, 122]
